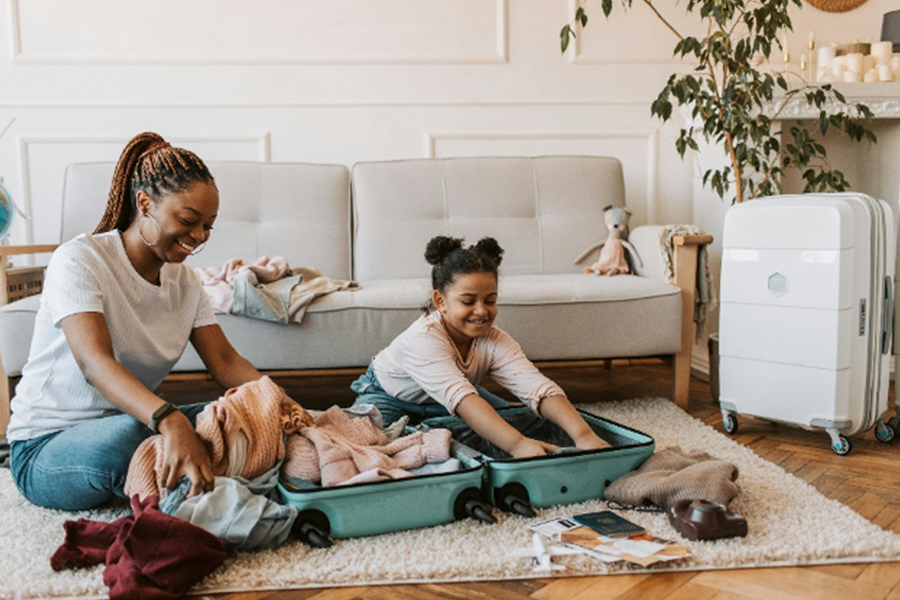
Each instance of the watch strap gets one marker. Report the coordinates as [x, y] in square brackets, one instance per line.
[159, 414]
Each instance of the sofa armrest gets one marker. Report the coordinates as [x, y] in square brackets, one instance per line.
[645, 240]
[6, 251]
[680, 269]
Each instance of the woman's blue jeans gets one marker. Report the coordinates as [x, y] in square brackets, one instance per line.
[369, 391]
[83, 466]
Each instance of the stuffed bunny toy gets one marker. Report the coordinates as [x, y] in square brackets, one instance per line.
[612, 260]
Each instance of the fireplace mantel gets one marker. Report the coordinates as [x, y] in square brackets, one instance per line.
[883, 99]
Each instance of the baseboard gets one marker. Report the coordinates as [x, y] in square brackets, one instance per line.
[700, 365]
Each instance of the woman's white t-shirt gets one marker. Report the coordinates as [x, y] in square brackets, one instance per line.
[423, 364]
[150, 326]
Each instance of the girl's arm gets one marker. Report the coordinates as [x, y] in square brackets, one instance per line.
[484, 420]
[183, 454]
[226, 366]
[513, 370]
[559, 410]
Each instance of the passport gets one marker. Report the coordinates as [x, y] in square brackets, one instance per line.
[609, 524]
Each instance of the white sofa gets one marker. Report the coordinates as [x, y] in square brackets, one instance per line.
[371, 225]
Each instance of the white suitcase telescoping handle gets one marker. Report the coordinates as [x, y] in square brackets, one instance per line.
[887, 326]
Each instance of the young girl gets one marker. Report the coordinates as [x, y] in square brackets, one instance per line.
[117, 310]
[434, 367]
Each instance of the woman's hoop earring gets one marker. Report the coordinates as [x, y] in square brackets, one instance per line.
[141, 233]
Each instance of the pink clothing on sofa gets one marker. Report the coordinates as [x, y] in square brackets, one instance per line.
[423, 364]
[217, 281]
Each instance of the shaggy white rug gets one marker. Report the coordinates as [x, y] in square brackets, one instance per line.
[789, 521]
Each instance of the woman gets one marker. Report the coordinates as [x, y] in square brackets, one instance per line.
[117, 310]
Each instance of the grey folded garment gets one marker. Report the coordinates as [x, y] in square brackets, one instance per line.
[673, 474]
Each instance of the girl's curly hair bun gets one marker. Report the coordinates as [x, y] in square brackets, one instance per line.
[489, 247]
[440, 247]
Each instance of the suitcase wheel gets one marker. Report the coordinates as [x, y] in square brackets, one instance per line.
[470, 505]
[884, 432]
[894, 422]
[730, 423]
[513, 497]
[841, 447]
[312, 528]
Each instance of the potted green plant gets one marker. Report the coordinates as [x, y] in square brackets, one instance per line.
[731, 102]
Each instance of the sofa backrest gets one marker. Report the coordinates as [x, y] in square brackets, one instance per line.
[543, 211]
[296, 210]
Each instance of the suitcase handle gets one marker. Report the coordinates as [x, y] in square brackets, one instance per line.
[887, 331]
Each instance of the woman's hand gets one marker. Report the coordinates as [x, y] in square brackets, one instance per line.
[184, 455]
[527, 447]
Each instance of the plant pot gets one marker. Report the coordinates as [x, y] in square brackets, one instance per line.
[713, 346]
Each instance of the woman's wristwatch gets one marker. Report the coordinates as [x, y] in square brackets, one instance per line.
[159, 414]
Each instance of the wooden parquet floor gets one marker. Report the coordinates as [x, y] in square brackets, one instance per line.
[867, 480]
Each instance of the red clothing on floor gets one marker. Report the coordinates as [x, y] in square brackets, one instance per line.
[149, 555]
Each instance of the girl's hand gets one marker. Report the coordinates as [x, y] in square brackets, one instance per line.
[591, 441]
[527, 447]
[184, 455]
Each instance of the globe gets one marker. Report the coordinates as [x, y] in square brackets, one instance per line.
[6, 212]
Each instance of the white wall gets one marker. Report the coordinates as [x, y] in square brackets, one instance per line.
[341, 81]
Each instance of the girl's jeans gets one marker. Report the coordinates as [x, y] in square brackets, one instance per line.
[369, 391]
[83, 466]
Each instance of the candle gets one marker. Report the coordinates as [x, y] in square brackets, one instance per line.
[812, 40]
[826, 55]
[869, 63]
[852, 76]
[855, 62]
[803, 62]
[871, 76]
[885, 73]
[784, 46]
[837, 70]
[882, 52]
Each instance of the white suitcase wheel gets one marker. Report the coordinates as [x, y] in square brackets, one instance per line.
[884, 432]
[730, 423]
[841, 447]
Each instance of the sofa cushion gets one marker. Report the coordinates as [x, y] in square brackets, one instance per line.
[553, 317]
[544, 211]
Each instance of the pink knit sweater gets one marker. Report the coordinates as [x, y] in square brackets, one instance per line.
[341, 450]
[243, 432]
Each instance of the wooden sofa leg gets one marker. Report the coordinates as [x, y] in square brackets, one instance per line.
[686, 250]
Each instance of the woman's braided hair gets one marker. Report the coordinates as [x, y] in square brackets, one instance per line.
[449, 257]
[150, 164]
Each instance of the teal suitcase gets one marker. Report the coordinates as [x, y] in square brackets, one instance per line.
[386, 506]
[517, 485]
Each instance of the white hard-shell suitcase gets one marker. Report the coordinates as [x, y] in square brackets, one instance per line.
[806, 315]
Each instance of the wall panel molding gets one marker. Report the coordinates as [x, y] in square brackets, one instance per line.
[624, 56]
[427, 35]
[649, 137]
